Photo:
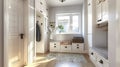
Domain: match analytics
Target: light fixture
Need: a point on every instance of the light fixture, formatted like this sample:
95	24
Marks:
62	1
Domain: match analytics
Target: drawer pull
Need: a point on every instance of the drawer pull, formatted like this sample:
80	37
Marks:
54	46
65	46
101	61
77	44
77	47
41	11
41	3
92	53
99	20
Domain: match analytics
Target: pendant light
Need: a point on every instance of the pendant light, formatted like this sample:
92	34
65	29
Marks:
62	1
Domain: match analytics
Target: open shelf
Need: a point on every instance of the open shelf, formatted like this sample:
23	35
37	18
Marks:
102	22
103	25
103	51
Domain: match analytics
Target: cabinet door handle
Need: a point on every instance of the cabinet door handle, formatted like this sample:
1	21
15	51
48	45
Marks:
100	1
65	46
77	44
101	61
77	47
54	46
99	20
41	3
92	53
41	11
21	35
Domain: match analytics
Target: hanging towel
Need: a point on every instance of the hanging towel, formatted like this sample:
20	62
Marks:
38	32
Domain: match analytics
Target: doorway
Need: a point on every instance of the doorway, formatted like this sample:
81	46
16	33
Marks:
13	33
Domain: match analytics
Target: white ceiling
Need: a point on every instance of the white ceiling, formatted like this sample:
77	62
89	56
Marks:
54	3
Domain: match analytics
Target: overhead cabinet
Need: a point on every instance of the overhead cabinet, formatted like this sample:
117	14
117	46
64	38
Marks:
41	6
102	10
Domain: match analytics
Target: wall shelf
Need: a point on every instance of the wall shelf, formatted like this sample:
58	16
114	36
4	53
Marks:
103	25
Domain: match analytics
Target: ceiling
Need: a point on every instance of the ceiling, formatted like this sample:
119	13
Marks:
55	3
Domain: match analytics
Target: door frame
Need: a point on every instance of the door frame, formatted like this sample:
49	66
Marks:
26	46
5	35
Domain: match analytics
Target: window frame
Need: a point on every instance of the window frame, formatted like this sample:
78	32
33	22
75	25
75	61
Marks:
71	21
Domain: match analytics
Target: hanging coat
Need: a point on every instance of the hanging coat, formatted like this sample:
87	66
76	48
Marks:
38	33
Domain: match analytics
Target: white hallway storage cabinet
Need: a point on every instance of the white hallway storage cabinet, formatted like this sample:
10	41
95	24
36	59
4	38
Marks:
105	53
42	18
97	9
70	48
102	11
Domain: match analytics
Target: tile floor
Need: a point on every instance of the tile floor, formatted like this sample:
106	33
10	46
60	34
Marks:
62	60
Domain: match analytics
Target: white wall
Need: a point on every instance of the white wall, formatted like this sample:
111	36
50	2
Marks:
1	33
65	9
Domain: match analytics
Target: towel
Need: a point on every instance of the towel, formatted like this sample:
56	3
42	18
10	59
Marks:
38	32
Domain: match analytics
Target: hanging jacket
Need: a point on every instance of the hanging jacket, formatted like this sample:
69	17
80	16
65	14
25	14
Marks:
38	32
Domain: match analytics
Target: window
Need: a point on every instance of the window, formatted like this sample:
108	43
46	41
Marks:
68	23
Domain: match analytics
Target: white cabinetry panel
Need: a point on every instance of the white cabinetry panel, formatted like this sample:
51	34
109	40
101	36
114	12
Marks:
54	46
71	48
65	48
77	47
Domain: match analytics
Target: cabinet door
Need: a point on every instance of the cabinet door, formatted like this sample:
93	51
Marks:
39	6
99	10
105	10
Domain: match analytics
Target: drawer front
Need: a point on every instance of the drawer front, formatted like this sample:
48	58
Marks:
54	46
65	48
101	62
93	54
98	60
93	60
54	43
93	57
78	44
77	47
